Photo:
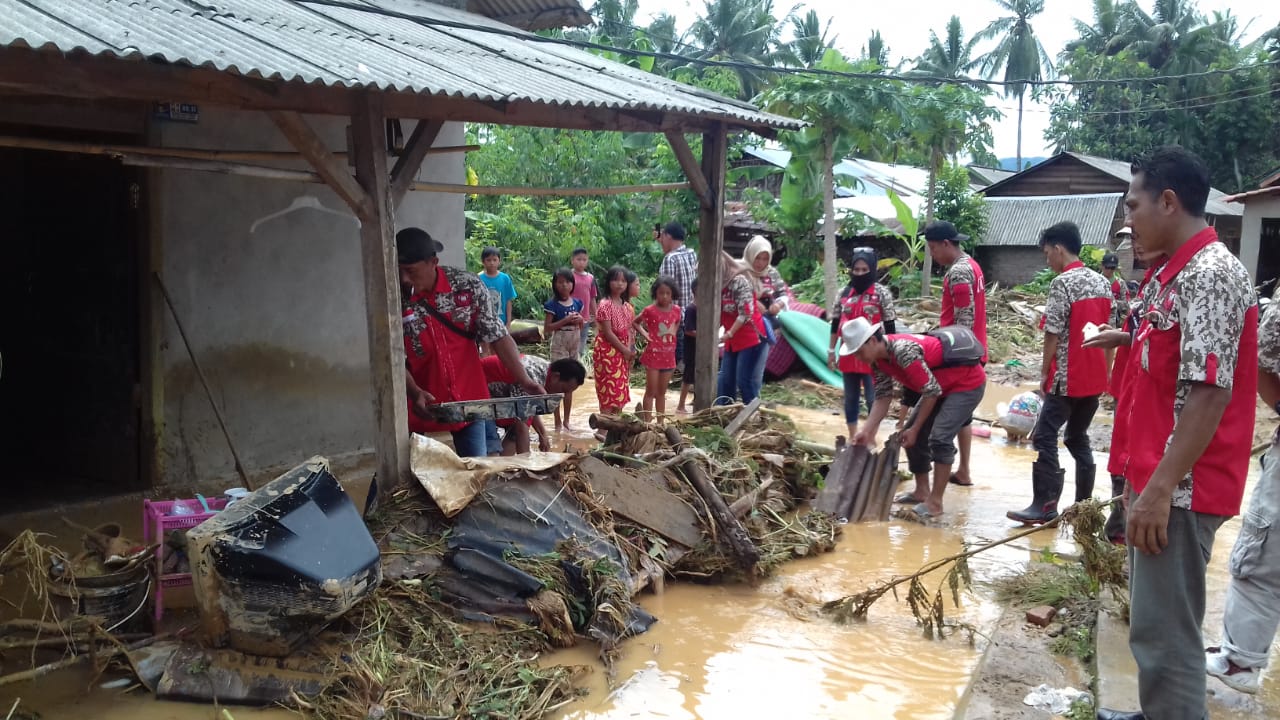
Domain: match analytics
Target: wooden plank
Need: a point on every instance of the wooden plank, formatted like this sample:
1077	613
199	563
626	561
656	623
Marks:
382	297
334	171
710	242
545	192
697	180
410	161
643	502
828	499
95	148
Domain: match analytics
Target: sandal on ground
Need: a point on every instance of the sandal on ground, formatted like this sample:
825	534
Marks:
955	480
905	498
923	511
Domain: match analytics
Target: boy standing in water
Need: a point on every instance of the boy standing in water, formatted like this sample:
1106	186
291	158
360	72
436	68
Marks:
584	289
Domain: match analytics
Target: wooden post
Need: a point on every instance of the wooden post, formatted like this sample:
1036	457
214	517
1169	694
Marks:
710	243
382	295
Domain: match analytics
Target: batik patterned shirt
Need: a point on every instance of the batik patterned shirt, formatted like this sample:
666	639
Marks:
964	298
1076	297
502	385
1269	337
463	299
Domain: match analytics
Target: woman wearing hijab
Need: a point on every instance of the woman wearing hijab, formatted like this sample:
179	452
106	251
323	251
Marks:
862	297
744	332
775	296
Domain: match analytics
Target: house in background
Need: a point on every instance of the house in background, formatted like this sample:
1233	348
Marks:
1084	189
1260	232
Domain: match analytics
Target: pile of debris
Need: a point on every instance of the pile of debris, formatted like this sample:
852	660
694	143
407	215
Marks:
1013	335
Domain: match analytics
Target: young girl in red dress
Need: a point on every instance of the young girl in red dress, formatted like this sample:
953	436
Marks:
659	323
613	353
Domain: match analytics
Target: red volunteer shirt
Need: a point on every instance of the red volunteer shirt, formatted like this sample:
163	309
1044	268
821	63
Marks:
1200	325
1077	297
915	361
964	298
876	305
1118	457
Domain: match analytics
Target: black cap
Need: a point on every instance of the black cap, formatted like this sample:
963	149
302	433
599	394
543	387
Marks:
1110	260
415	245
941	230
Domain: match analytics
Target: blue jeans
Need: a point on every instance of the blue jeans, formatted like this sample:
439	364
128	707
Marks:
738	374
856	386
471	440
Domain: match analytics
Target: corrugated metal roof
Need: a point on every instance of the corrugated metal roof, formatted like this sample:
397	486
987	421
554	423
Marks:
533	14
439	51
1018	221
1244	196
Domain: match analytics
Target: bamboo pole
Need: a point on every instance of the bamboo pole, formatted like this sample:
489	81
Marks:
74	660
87	148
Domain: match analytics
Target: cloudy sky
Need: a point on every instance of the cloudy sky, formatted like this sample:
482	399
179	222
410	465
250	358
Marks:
905	25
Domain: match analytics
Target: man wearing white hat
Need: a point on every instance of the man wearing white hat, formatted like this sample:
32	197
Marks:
948	396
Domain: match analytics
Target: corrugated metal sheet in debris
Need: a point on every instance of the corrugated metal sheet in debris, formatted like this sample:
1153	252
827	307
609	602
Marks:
315	43
1018	221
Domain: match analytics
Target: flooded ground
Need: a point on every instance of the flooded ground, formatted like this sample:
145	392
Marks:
735	651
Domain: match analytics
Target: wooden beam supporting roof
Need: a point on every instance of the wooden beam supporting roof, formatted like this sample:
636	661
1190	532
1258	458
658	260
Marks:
410	161
715	150
382	296
334	171
684	155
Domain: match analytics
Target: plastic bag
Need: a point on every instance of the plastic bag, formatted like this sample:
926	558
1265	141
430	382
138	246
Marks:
1019	416
1056	700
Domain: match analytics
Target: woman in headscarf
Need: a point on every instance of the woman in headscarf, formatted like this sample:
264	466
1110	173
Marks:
744	333
862	297
775	296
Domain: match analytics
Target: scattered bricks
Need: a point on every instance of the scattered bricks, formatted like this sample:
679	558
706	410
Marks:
1041	616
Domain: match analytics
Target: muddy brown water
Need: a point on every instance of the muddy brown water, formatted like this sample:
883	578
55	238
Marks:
736	651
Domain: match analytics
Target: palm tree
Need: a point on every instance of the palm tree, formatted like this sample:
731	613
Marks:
950	59
809	40
740	30
1107	35
616	18
876	51
1018	51
1174	38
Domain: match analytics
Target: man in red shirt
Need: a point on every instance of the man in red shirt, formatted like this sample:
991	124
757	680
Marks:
1191	417
445	311
1072	377
964	303
562	376
948	396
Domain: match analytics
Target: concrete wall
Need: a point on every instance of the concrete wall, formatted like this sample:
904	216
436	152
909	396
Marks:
1256	209
1009	265
277	316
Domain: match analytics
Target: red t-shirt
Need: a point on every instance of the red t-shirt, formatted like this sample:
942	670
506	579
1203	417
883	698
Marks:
915	361
1120	389
662	326
1200	325
964	298
1077	297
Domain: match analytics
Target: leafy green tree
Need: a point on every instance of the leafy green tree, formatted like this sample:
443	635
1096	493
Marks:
1174	38
954	200
1018	52
1107	35
844	115
809	41
949	58
745	31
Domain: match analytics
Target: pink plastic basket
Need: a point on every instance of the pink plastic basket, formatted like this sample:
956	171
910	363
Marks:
157	523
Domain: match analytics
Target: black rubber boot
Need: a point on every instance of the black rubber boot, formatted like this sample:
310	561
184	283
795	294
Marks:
1046	487
1115	521
1085	475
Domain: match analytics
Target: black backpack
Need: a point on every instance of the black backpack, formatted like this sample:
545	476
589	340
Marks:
959	345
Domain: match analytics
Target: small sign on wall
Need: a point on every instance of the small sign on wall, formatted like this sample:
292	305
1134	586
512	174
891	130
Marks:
178	112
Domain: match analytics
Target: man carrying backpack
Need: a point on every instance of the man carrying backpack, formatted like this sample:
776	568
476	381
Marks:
944	368
1071	376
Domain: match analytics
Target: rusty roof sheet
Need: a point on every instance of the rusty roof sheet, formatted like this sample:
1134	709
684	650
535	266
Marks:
1018	221
393	45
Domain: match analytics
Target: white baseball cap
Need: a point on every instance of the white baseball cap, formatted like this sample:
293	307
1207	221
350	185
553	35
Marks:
855	333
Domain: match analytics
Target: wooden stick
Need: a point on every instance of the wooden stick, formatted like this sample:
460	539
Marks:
85	148
814	447
74	660
735	426
244	477
80	642
743	505
740	542
608	423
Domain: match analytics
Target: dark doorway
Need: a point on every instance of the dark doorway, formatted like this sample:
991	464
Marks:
69	409
1269	255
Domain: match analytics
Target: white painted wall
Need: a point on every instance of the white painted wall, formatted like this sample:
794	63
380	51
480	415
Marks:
277	316
1256	209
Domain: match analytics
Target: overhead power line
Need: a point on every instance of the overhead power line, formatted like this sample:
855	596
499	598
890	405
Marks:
775	69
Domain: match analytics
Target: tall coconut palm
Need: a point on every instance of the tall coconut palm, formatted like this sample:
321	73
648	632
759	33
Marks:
809	40
1018	52
616	18
1107	35
1175	38
952	58
742	30
875	50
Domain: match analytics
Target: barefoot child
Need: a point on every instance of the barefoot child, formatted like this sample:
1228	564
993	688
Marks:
660	322
584	289
562	326
690	347
612	353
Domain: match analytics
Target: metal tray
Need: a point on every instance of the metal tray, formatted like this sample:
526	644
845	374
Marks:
522	407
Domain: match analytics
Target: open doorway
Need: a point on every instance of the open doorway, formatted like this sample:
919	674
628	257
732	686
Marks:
1269	255
69	323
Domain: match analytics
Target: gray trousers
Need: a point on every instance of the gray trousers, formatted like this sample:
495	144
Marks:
1167	599
1253	597
936	442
